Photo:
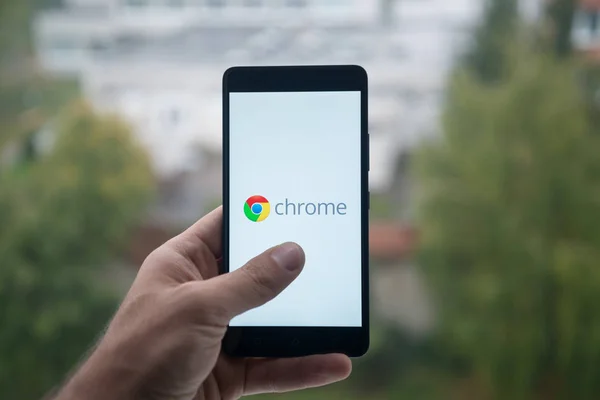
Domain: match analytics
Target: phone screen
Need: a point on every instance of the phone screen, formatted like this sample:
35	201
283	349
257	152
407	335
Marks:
295	176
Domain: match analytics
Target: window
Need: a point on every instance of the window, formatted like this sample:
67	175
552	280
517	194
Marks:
174	117
336	2
587	20
170	117
594	21
136	3
97	45
216	3
175	3
62	44
126	42
586	28
296	3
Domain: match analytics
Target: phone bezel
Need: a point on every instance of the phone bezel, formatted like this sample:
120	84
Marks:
299	341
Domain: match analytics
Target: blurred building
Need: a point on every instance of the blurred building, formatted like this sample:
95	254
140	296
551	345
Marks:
160	62
586	29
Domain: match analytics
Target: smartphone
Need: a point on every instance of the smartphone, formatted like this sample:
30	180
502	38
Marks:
296	169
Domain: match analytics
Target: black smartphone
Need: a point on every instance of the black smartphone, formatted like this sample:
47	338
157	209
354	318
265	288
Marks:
296	169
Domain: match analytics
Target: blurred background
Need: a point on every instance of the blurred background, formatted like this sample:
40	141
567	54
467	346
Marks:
485	129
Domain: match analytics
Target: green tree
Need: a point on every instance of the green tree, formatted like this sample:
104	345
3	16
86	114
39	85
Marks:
510	219
28	98
64	217
63	214
561	14
487	59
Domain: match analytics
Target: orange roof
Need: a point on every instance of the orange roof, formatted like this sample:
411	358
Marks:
594	54
589	3
391	242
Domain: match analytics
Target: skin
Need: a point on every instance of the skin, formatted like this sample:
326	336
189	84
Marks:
164	342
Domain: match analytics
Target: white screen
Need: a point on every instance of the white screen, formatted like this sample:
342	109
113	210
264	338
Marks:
293	148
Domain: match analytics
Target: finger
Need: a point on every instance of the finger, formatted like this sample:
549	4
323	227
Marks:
285	375
201	244
209	231
259	281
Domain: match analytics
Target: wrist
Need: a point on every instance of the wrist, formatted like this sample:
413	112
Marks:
102	376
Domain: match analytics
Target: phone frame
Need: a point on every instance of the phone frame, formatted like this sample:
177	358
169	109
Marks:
299	341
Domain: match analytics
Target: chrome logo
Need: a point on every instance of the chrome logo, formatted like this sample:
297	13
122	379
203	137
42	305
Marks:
257	208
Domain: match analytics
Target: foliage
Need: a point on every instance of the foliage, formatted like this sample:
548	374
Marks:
28	99
63	216
487	59
510	220
14	35
381	207
561	13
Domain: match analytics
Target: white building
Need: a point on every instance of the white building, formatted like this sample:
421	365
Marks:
160	62
586	28
68	38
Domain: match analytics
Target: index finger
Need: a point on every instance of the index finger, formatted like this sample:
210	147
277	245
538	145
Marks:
286	375
209	230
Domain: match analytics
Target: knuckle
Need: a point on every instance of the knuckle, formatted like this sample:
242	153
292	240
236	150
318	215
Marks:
193	255
262	283
154	257
199	251
158	259
215	311
195	302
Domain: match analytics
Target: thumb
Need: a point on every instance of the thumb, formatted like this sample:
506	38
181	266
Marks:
260	280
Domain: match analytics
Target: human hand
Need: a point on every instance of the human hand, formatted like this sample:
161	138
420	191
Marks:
164	342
